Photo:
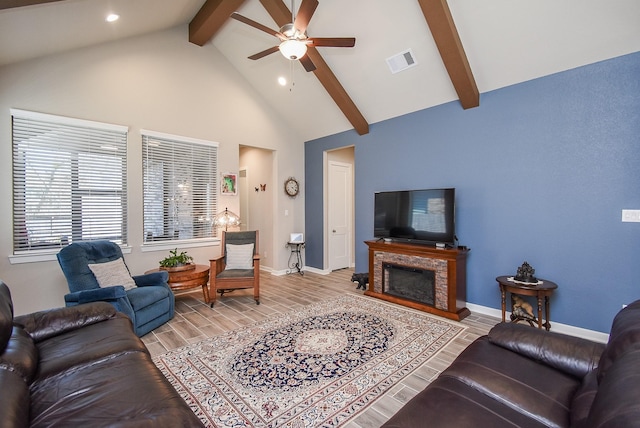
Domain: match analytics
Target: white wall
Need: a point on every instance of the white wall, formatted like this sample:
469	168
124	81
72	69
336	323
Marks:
159	82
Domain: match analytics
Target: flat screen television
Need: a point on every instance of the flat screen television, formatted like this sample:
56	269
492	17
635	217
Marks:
421	216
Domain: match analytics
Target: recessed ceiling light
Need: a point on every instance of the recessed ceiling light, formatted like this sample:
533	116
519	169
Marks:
282	81
112	17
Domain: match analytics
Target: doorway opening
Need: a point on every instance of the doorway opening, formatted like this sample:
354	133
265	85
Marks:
256	197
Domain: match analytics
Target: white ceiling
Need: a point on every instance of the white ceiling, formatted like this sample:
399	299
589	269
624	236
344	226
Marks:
506	42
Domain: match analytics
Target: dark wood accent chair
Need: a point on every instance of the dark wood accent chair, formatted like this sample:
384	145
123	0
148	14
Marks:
225	277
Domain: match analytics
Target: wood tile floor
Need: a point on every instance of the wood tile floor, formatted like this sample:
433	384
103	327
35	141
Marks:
195	321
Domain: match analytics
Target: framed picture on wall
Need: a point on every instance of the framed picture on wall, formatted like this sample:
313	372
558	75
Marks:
229	185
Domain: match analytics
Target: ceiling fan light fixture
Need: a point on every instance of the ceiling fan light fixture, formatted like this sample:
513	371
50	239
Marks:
293	49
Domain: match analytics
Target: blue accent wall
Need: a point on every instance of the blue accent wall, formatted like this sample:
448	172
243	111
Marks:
542	170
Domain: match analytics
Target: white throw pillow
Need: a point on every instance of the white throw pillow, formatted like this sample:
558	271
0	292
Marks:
240	256
112	273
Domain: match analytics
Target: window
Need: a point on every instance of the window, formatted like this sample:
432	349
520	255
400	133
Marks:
180	187
69	181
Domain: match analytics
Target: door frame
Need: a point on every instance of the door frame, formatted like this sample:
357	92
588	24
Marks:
243	199
325	209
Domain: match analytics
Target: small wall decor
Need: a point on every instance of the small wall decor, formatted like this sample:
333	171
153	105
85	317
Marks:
291	187
263	187
229	185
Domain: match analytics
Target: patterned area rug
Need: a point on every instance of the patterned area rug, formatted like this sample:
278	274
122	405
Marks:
317	366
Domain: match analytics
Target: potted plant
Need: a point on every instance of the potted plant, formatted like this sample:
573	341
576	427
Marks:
177	262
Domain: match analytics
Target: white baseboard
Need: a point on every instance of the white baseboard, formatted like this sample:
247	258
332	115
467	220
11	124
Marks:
316	270
267	269
289	271
596	336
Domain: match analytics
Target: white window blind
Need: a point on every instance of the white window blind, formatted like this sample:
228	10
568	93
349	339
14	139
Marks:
69	181
180	187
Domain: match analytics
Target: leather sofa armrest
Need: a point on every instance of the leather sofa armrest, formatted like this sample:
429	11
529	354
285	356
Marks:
573	355
45	324
153	278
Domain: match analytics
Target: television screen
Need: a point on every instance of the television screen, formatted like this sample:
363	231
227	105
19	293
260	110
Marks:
424	216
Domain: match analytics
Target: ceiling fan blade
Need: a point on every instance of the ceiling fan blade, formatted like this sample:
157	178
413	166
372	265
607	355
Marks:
305	12
257	25
264	53
336	42
307	63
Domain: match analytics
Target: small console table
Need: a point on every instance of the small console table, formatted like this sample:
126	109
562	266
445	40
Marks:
295	258
539	291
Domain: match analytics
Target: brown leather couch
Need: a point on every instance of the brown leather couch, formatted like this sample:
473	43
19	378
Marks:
518	376
81	366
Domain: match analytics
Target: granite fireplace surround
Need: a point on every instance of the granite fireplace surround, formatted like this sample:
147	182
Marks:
438	266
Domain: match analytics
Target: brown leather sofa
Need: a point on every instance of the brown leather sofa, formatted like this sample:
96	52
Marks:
81	366
518	376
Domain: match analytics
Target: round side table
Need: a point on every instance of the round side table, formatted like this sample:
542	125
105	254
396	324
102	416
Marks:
540	292
189	278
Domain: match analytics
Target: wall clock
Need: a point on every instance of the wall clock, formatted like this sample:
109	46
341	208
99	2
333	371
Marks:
291	187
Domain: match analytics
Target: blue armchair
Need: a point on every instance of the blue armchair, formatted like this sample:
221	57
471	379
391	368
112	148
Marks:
149	304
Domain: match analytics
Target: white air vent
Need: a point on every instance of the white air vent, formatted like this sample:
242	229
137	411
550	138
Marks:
401	61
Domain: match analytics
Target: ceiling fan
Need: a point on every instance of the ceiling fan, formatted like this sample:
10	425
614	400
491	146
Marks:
293	36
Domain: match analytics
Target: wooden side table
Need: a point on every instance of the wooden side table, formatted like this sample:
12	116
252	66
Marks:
540	292
189	278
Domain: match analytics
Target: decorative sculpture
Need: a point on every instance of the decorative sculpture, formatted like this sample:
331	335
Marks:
362	279
522	310
525	274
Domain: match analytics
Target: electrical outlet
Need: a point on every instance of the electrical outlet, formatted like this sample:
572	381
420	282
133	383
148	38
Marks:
631	216
264	254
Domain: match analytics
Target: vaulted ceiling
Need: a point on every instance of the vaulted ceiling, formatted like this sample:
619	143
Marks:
462	48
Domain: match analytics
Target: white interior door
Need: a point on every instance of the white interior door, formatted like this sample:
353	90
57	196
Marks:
339	214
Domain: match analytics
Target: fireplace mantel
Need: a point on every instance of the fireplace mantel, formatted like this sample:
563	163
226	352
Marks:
449	266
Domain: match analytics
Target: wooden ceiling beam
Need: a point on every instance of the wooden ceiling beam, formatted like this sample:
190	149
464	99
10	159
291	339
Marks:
210	18
10	4
337	92
282	15
445	34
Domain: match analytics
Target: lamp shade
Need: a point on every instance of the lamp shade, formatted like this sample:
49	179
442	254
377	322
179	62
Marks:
225	219
293	49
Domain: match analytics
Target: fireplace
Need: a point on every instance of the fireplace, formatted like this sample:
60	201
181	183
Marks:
419	277
410	283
